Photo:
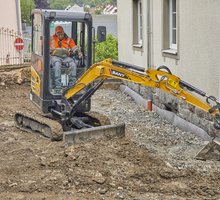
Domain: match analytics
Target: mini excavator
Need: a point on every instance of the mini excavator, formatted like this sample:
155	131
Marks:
67	105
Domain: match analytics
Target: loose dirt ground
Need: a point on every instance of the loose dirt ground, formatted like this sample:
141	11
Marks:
32	167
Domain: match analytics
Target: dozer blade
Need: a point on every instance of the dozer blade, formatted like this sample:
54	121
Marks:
210	152
39	124
84	135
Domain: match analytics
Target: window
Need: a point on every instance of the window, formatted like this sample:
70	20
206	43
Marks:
37	35
172	24
140	35
170	28
137	23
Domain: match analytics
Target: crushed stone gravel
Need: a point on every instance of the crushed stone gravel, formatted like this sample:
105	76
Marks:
148	130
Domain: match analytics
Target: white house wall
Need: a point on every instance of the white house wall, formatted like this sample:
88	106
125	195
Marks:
109	21
198	59
10	29
8	15
125	35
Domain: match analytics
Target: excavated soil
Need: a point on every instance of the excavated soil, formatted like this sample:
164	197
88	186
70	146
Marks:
154	161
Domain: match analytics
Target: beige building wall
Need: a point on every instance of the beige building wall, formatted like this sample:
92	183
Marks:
8	14
127	52
198	60
10	29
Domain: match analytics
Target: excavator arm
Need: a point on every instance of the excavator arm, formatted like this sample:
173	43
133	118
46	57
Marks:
163	80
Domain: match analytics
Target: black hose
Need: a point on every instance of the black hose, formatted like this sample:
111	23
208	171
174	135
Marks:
164	67
192	88
126	65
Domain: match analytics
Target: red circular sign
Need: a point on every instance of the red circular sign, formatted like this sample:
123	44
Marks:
19	44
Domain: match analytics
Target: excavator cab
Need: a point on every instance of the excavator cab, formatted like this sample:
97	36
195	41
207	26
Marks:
45	93
73	67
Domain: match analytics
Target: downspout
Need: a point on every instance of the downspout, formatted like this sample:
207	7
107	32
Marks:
18	16
149	64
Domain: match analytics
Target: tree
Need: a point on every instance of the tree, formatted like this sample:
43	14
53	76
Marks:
60	5
26	7
107	49
43	4
98	11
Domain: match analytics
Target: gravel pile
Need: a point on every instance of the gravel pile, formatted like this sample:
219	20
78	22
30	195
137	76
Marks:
178	148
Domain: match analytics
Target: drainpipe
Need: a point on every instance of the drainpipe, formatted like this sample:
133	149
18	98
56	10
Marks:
149	64
18	16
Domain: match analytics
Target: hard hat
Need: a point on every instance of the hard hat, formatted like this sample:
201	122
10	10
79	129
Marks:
59	29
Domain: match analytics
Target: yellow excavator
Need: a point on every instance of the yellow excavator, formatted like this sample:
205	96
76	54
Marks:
65	108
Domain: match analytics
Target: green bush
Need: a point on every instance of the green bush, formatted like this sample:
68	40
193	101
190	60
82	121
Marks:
107	49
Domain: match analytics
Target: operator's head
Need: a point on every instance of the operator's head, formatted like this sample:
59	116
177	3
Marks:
59	32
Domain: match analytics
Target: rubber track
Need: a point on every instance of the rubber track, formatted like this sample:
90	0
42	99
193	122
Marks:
54	127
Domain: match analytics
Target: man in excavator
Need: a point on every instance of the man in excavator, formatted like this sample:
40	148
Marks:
62	49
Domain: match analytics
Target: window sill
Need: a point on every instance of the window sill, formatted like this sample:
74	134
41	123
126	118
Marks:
137	45
170	51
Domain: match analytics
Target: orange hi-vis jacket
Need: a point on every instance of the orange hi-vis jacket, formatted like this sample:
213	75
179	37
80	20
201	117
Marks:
66	43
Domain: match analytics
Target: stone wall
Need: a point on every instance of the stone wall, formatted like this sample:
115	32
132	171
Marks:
181	108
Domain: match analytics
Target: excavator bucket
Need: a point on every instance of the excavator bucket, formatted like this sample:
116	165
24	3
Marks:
210	152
